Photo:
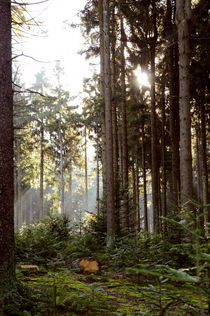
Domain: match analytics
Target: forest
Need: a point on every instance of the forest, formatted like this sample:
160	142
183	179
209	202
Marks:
104	198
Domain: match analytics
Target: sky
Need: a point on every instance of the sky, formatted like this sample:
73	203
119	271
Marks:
60	43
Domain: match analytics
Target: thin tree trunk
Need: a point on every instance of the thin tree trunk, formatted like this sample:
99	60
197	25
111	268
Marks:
70	194
31	207
102	112
114	118
15	198
183	16
86	173
174	105
125	181
163	156
154	140
41	201
97	179
146	224
108	125
134	217
19	191
154	150
137	195
61	169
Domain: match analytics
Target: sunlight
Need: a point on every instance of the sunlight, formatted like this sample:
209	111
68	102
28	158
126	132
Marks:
142	77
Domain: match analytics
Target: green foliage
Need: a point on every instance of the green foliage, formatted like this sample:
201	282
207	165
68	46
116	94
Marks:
53	243
42	242
145	269
83	245
146	247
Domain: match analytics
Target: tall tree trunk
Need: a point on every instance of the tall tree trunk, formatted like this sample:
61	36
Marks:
97	179
154	149
137	194
174	104
163	156
15	199
134	217
86	173
31	207
108	125
204	168
41	199
7	270
125	181
70	194
102	112
183	16
61	169
146	223
19	191
114	117
154	140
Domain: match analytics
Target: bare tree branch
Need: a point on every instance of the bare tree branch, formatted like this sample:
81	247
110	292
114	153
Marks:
27	56
31	91
26	3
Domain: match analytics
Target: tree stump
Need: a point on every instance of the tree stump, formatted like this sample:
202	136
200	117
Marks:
86	265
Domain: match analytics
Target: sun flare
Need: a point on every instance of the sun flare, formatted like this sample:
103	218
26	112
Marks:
142	77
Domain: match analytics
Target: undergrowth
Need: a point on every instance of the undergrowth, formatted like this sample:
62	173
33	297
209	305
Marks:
142	275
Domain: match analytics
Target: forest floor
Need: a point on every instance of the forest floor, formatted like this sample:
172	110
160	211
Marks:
106	293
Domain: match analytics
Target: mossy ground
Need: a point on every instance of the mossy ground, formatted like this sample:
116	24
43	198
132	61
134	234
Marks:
108	293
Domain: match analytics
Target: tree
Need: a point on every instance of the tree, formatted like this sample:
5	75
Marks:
125	183
108	126
183	16
7	266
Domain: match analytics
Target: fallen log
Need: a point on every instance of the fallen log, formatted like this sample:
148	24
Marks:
28	269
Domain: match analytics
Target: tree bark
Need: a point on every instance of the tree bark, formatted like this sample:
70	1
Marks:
41	193
70	194
154	149
146	224
163	156
108	126
174	104
137	194
61	169
125	182
102	112
114	117
19	191
97	179
204	168
154	139
183	16
7	265
134	217
86	173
